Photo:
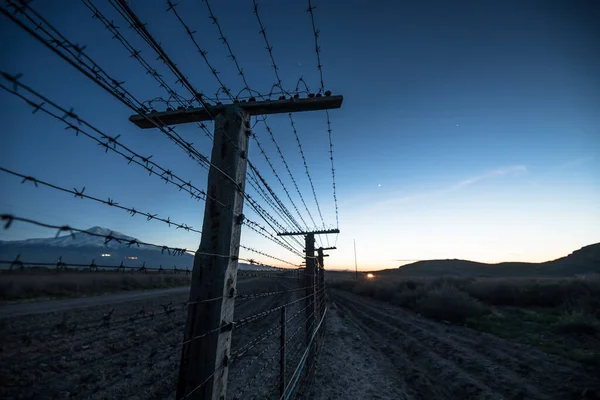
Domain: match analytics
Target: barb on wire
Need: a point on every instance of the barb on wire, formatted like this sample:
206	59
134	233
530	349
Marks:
269	219
269	47
264	233
279	84
135	23
203	53
287	167
234	59
255	180
103	140
8	219
91	266
64	48
316	32
312	186
267	294
296	375
335	201
317	47
136	54
268	361
110	202
266	255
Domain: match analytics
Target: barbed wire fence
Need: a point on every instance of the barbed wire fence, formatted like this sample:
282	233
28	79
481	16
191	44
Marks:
133	345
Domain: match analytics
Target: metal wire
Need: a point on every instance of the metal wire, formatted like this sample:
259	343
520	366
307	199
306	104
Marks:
110	202
105	141
8	220
136	54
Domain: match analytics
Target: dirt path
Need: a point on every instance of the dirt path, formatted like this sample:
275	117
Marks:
47	306
374	350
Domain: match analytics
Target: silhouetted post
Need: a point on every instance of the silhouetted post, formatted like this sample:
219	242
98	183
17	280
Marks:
311	293
205	354
282	339
321	280
355	262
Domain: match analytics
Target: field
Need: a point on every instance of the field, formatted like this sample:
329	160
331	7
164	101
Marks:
32	284
126	348
561	316
416	338
377	350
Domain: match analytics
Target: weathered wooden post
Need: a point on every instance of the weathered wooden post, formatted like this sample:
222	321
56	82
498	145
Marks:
207	339
204	357
311	293
282	339
320	280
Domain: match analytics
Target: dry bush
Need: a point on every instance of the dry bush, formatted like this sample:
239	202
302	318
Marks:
572	293
449	304
577	324
73	284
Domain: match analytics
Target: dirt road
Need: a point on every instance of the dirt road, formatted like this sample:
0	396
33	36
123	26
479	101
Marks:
47	306
374	350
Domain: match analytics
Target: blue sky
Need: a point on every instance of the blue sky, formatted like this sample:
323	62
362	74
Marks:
468	129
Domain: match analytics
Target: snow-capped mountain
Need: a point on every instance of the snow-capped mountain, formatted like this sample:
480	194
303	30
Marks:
83	248
96	238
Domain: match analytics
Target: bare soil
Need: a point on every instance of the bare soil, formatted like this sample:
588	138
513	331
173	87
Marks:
370	350
374	350
80	353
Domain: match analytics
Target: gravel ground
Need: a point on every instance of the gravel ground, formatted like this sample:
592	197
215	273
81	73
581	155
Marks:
82	353
377	351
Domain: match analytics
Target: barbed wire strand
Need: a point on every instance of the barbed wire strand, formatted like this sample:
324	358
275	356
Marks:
110	202
134	21
275	68
94	72
296	375
136	54
107	142
316	32
283	159
9	219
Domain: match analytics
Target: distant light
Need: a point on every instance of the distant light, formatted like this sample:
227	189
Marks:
105	254
131	258
370	276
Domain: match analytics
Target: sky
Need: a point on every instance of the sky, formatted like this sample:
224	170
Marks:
469	129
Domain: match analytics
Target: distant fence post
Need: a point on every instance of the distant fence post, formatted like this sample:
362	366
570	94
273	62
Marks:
321	280
309	283
205	354
282	339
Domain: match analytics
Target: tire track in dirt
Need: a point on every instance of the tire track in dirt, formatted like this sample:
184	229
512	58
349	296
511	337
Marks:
441	361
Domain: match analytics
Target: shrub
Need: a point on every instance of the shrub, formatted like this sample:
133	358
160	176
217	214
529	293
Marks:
408	298
577	324
449	304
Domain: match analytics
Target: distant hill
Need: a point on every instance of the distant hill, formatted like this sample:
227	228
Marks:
583	261
82	248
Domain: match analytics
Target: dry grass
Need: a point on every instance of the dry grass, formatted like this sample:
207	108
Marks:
16	286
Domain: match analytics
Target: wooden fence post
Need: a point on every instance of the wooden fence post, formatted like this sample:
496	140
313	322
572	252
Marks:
309	283
205	354
282	340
